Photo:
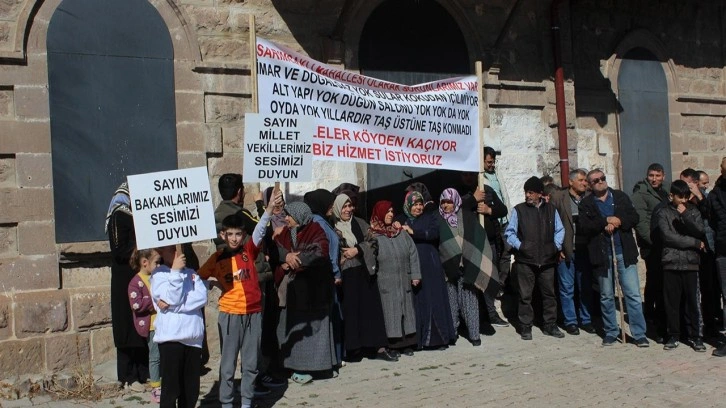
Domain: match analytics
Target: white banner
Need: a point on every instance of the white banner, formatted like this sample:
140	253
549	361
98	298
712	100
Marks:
172	207
363	119
278	148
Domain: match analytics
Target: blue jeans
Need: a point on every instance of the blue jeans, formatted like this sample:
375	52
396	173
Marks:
575	273
154	361
630	284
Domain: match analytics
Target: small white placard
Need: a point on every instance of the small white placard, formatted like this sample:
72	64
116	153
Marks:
278	148
172	207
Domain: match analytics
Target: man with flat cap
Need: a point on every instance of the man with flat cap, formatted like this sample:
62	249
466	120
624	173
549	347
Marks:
536	234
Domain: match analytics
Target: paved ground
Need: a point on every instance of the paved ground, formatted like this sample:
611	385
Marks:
504	371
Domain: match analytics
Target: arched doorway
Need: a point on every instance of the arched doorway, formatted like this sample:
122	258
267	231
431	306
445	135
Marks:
112	109
644	126
410	42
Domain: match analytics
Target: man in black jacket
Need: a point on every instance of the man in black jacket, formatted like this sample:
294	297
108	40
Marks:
607	217
682	232
717	220
535	233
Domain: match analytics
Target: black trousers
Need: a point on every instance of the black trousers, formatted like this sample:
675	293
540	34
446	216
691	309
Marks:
180	372
721	275
132	364
527	277
653	307
678	285
710	293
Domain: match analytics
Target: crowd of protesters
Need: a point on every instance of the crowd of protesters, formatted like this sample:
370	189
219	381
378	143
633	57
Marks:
313	284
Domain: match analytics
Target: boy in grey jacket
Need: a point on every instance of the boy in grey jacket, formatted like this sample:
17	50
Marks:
680	227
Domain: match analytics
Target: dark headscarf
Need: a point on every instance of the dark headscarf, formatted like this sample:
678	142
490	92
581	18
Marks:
421	188
345	188
121	201
378	225
319	201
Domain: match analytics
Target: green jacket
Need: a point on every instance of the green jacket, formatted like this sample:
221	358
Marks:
645	198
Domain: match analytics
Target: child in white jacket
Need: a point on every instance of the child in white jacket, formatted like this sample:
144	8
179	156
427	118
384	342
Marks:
179	296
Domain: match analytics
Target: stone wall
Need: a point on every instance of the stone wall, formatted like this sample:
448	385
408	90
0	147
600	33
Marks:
54	304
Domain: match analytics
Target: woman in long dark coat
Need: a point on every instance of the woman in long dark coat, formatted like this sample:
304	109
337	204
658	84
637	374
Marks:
305	331
362	310
132	352
398	273
433	314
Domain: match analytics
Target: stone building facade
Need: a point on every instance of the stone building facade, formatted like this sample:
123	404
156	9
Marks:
54	304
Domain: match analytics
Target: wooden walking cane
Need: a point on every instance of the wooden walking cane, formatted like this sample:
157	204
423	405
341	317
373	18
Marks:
618	290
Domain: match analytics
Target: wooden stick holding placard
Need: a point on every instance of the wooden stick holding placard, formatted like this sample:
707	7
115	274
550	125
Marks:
480	95
253	65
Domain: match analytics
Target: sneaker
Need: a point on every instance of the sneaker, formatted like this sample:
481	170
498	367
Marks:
697	344
498	321
572	329
272	382
526	333
609	341
156	395
642	342
552	330
135	387
476	343
261	390
671	344
589	328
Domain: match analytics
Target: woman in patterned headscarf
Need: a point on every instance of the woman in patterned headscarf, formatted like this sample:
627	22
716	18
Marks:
398	273
305	331
132	353
466	258
434	326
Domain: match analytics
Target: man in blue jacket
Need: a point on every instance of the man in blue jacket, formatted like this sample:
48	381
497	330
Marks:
608	216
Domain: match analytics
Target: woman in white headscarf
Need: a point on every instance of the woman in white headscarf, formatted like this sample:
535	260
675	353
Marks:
365	329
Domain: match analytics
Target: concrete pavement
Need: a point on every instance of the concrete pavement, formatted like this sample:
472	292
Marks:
505	371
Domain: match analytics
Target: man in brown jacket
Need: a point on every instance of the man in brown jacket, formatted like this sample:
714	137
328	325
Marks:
574	268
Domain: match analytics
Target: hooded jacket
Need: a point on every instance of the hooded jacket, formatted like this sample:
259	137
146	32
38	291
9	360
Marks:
645	198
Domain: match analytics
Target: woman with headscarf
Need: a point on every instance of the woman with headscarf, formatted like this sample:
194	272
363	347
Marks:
270	369
398	272
320	202
132	353
306	288
365	329
435	327
466	257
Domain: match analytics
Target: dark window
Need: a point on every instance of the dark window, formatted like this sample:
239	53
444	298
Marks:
410	42
111	91
644	126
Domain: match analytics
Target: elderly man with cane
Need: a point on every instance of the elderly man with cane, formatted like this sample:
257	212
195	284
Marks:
607	217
